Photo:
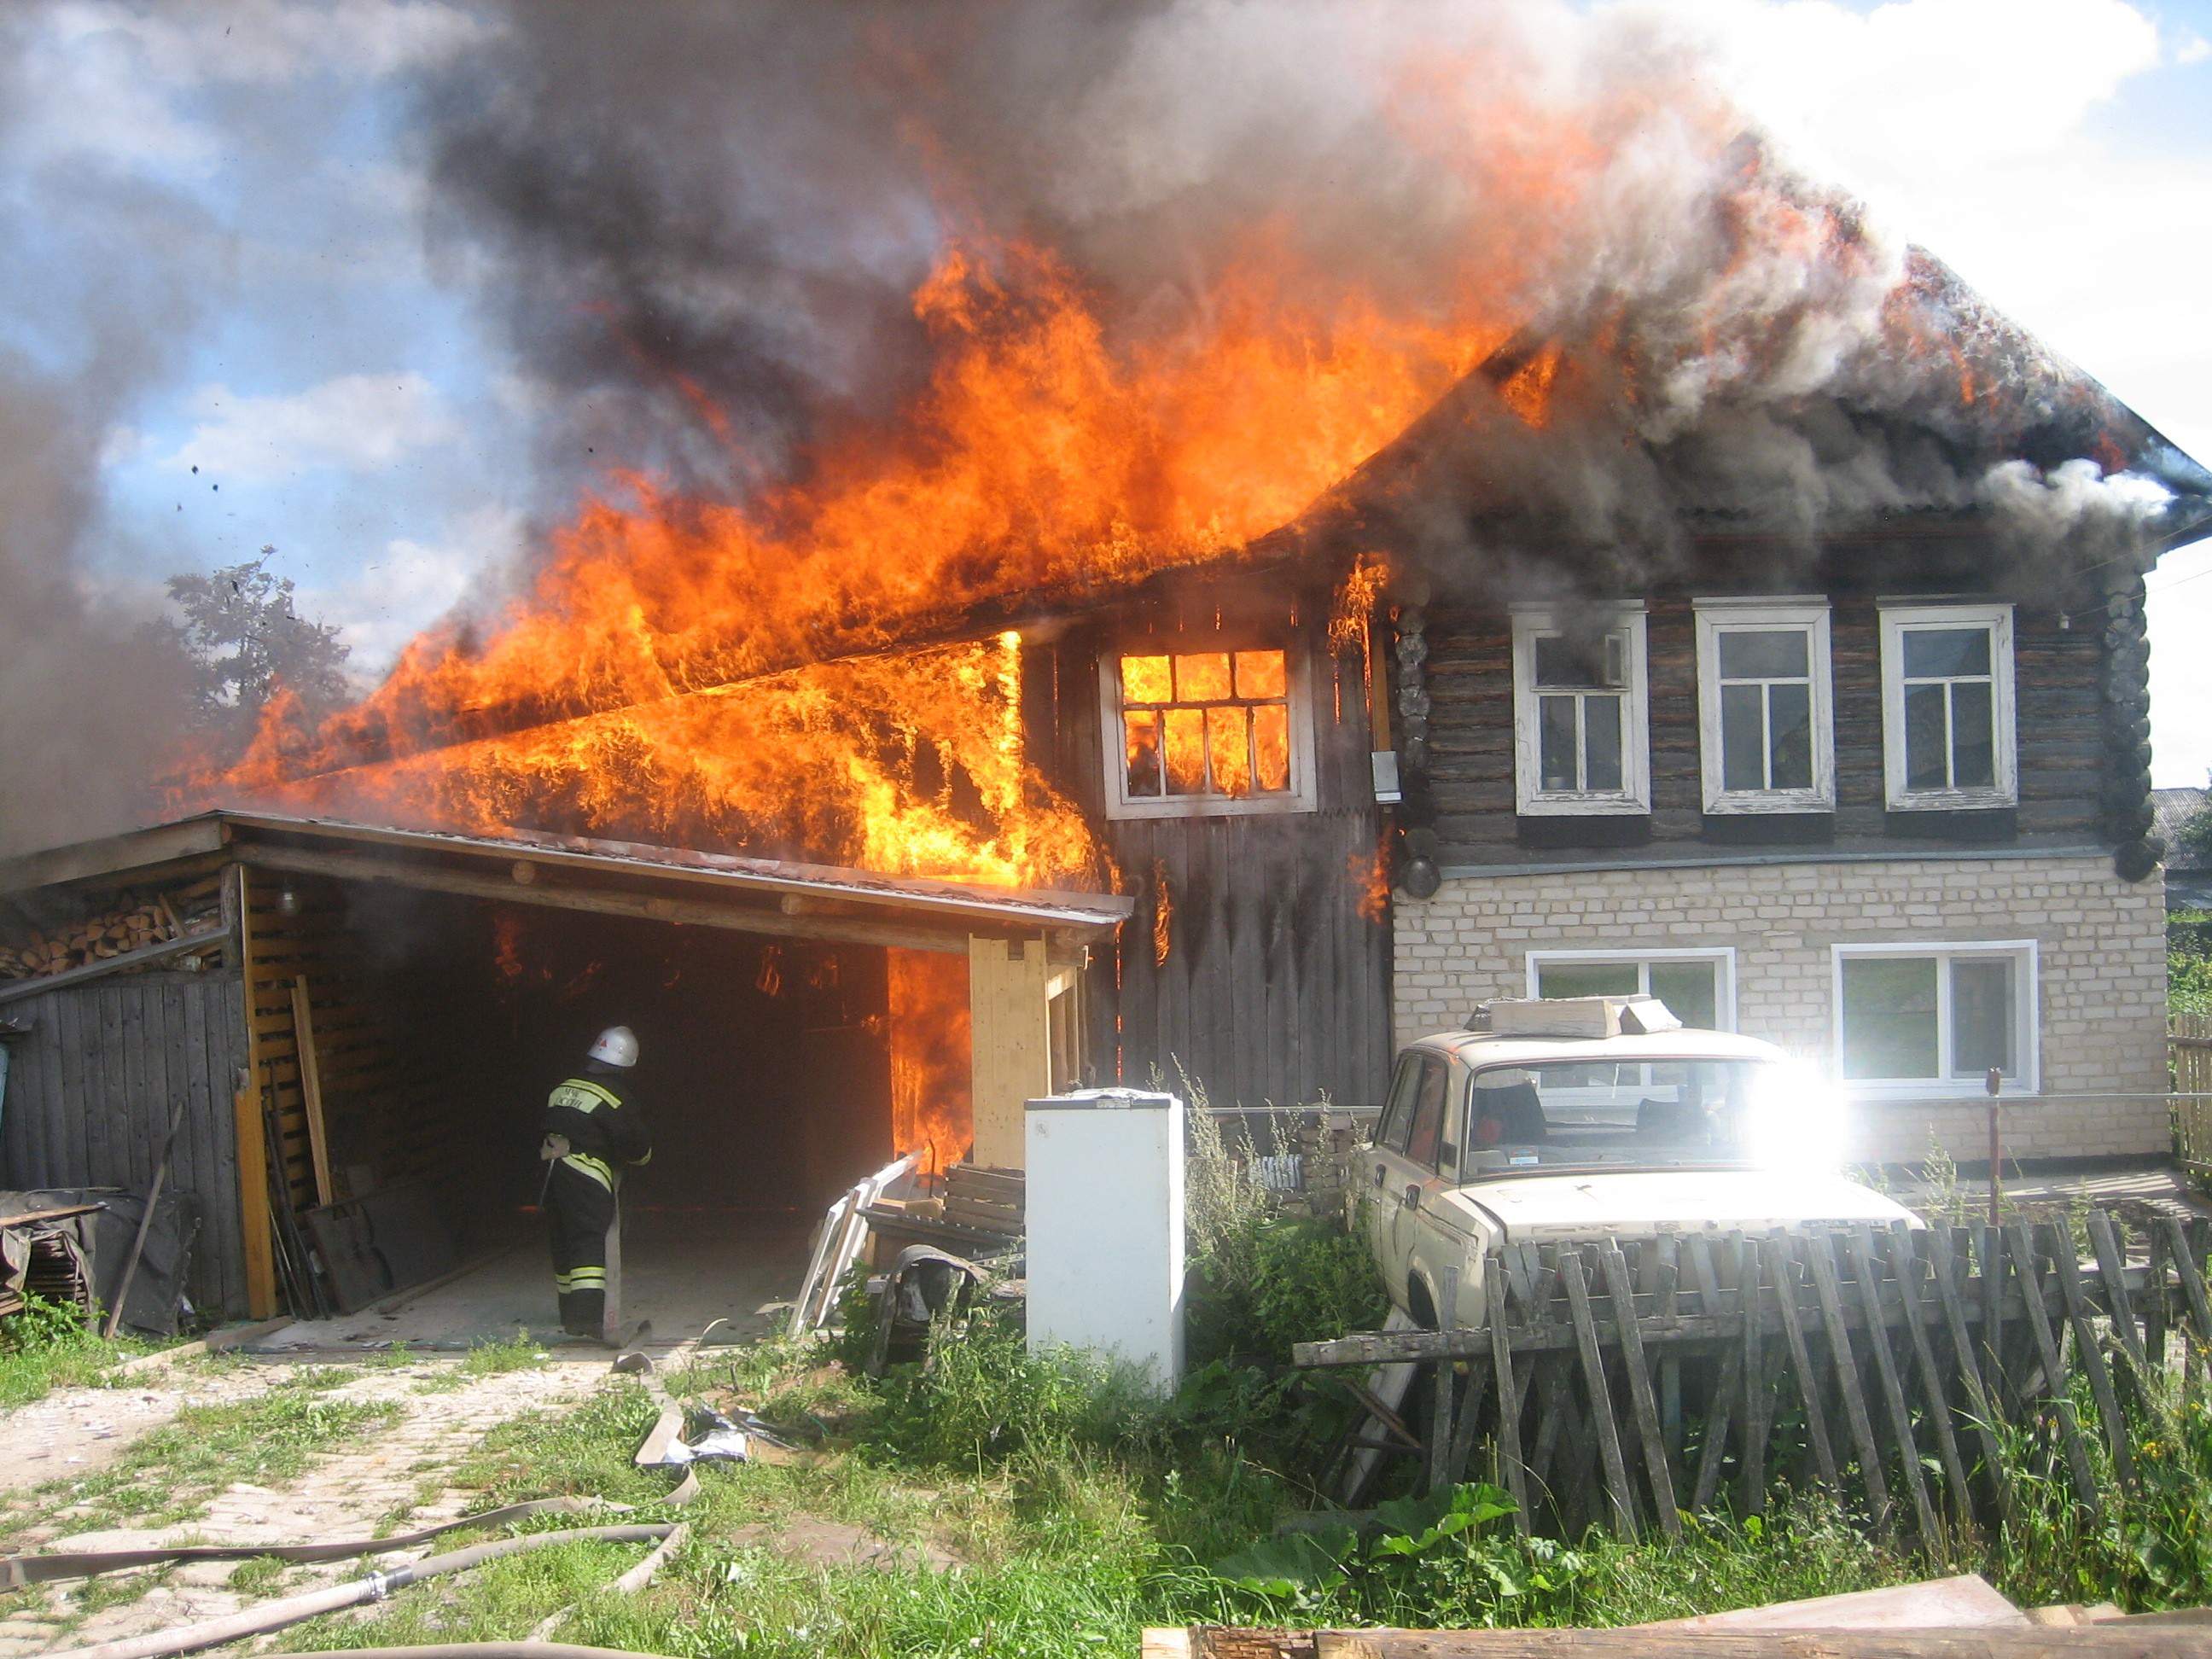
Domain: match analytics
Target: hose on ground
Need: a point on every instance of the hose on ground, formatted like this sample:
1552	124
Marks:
292	1609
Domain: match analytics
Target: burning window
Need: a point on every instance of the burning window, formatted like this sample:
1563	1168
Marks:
1206	731
1765	729
1580	740
1948	706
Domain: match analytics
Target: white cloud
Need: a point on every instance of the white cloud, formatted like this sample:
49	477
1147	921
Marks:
355	424
410	585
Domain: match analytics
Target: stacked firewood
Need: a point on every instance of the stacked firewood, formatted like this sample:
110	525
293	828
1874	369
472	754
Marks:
107	934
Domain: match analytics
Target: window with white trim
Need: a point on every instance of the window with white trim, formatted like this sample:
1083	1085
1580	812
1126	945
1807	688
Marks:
1206	733
1766	732
1581	741
1946	706
1698	986
1920	1019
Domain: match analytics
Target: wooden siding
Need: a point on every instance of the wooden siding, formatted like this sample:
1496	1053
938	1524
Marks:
1470	678
90	1092
1275	983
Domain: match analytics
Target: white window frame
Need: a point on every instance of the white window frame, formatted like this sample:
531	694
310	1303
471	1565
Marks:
1716	618
1723	955
1530	799
1898	619
1298	686
2027	1026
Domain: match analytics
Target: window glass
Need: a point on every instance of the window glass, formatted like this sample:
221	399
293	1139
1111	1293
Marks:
1743	737
1398	1113
1271	745
1186	750
1202	677
1764	654
1889	1016
1691	991
1143	728
1973	735
1588	979
1557	742
1426	1137
1229	749
1982	1016
1789	736
1147	679
1260	674
1601	744
1927	737
1935	652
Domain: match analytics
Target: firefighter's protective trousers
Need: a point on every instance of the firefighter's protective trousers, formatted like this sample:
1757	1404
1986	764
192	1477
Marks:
604	1129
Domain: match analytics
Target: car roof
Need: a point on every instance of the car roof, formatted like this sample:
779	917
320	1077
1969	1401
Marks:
1478	1049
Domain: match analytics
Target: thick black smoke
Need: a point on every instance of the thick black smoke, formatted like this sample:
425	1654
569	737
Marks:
688	216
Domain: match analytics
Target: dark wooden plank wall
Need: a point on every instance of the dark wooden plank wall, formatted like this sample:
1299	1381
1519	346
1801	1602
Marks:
91	1089
1275	987
2057	717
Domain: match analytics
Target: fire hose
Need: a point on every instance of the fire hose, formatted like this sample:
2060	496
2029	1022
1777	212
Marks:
292	1609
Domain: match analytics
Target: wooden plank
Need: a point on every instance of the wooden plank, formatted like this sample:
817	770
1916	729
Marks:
1508	1413
1601	1399
1989	1252
1440	1416
1898	1254
255	1220
1981	1410
1010	1043
1822	1265
2030	1275
2089	1352
1727	1385
2188	1267
1667	1277
1966	1601
1781	1255
1859	1242
311	1091
2112	1270
2146	1636
2156	1305
1641	1402
1757	1381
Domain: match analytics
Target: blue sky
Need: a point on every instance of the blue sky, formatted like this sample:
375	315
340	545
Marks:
238	178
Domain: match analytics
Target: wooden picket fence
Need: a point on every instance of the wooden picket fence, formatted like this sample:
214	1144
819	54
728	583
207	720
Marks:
2189	1068
1642	1379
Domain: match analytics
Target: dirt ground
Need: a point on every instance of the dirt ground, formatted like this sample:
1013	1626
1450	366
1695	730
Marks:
389	1483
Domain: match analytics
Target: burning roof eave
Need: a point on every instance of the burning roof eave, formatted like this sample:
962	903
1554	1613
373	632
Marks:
526	865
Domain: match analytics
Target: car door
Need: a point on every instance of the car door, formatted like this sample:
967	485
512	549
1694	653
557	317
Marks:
1386	1158
1406	1159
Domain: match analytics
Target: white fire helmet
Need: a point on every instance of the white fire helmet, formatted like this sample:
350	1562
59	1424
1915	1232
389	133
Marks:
617	1045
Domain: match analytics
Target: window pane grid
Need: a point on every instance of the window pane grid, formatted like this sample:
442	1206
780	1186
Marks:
1947	665
1940	1017
1207	724
1789	674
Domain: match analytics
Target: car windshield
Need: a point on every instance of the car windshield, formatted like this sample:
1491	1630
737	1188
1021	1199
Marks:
1618	1111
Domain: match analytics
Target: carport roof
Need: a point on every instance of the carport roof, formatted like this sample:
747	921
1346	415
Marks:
622	878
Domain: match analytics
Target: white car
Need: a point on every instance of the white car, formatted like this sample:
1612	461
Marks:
1491	1138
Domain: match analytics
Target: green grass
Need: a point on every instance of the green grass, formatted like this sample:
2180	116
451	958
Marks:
50	1346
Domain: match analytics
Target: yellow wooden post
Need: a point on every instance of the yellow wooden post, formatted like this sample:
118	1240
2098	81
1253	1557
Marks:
254	1220
1008	985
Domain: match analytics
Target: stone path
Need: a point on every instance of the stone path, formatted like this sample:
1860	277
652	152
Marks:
389	1484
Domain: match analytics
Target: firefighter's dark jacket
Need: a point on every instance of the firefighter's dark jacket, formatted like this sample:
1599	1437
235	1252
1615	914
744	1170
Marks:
598	1110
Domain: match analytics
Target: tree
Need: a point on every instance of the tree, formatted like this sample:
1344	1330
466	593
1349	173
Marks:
2195	831
246	641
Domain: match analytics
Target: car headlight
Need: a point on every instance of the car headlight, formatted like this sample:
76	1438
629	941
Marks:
1793	1119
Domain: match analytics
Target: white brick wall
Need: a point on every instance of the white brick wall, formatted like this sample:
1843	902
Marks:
2101	984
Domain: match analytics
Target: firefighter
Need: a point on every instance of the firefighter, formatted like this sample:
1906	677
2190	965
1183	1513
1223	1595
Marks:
593	1128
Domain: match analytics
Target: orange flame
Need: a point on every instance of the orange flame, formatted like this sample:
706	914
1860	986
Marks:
933	1105
1163	914
1369	873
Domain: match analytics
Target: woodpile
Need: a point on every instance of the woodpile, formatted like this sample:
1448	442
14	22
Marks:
132	925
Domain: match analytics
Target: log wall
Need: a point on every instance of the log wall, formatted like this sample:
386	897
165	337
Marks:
2060	722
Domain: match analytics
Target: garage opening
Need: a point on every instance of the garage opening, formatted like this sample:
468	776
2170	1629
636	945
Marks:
774	1071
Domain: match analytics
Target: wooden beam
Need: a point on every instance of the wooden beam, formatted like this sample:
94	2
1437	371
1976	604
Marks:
133	850
2141	1637
311	1089
952	939
144	956
1010	1042
255	1220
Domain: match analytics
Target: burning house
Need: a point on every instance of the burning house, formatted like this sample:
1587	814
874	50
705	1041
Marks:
1197	618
